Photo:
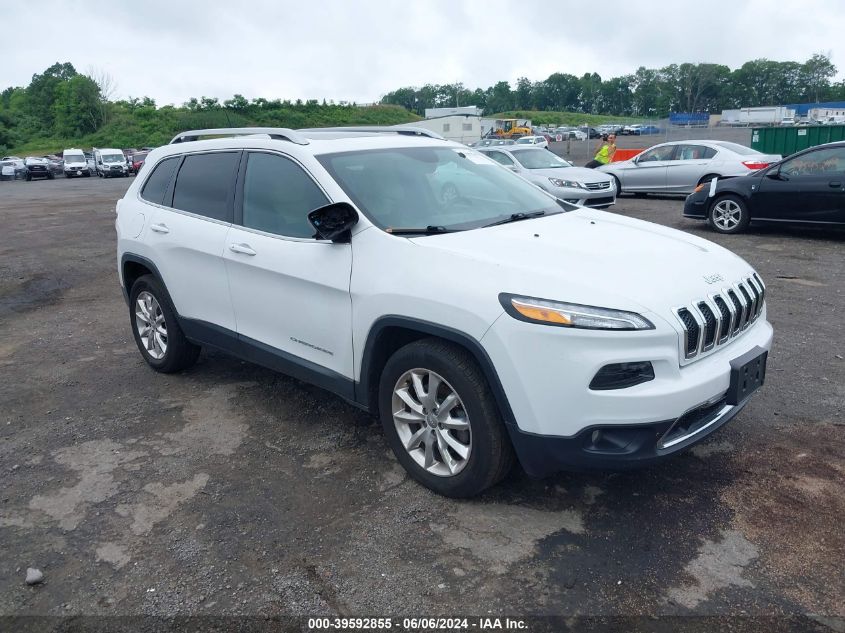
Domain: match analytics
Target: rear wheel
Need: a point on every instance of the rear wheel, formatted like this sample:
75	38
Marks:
618	185
729	214
156	329
441	419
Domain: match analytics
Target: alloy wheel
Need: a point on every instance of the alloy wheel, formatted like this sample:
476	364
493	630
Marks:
151	326
727	214
432	422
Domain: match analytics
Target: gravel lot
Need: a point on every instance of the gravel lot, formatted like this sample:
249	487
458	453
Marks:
230	489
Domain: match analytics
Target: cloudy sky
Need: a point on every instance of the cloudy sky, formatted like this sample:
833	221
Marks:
357	50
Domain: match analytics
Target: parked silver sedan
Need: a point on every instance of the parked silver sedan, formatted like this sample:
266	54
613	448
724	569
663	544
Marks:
550	172
680	166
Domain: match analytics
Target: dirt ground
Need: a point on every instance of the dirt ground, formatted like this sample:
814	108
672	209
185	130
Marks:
232	490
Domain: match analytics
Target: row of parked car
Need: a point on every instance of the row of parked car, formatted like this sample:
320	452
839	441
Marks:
584	132
727	184
105	163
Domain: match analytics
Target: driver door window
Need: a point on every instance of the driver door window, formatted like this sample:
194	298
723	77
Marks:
278	195
822	162
656	154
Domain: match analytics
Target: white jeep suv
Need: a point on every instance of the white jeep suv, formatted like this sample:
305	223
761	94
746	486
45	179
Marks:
492	323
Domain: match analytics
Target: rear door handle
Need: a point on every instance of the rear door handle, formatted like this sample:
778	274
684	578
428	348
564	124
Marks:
243	249
835	183
159	228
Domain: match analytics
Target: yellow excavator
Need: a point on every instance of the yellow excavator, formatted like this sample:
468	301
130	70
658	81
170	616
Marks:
510	128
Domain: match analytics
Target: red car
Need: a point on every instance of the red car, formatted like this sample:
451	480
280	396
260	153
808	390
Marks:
136	162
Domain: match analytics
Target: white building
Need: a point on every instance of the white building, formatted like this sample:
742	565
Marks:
823	114
436	113
765	115
463	128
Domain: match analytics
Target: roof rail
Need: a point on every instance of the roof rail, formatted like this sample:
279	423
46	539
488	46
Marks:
277	133
406	130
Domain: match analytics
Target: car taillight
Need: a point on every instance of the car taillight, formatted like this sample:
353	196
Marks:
755	164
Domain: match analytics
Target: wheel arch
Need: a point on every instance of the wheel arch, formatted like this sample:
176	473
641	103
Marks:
390	333
132	267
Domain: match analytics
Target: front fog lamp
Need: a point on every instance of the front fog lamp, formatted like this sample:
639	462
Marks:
571	314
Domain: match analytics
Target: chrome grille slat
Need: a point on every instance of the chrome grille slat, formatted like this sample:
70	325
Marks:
710	322
597	186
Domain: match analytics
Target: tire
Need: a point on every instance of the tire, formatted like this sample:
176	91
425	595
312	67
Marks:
478	422
177	352
618	185
29	177
87	174
50	176
728	215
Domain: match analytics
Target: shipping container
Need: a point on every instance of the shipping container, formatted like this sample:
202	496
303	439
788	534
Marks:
788	140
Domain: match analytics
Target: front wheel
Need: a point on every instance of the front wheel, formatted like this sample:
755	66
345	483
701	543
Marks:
729	214
156	330
441	419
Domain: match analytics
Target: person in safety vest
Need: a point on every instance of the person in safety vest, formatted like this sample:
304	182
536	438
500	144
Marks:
605	152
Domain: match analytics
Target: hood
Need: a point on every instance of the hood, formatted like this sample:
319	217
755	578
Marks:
596	258
579	174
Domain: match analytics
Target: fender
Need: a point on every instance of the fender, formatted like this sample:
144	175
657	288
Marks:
363	387
146	263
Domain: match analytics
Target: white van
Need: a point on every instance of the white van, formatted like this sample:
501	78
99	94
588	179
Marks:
110	162
75	163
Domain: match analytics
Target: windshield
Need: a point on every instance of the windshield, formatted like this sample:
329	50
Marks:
137	158
74	158
538	159
418	187
113	158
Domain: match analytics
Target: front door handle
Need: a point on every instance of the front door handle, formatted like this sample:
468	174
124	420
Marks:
243	249
836	184
159	228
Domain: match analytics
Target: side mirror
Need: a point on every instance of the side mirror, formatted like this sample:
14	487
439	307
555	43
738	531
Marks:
334	221
775	174
512	168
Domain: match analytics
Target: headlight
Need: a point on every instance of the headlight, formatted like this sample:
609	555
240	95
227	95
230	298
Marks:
571	314
557	182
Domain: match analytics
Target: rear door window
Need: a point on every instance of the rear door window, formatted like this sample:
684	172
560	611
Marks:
694	152
159	180
205	185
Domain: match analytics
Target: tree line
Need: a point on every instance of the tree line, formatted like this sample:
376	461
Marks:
62	106
649	92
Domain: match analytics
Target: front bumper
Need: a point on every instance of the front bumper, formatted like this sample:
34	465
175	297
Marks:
546	373
620	447
696	205
597	199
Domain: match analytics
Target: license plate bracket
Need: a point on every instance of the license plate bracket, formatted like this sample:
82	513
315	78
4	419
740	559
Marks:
748	373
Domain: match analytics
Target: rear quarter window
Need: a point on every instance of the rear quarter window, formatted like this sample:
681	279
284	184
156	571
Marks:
159	180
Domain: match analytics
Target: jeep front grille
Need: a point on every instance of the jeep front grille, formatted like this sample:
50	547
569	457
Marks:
710	322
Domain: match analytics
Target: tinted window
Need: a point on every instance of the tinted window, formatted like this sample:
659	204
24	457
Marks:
204	184
278	195
828	161
157	183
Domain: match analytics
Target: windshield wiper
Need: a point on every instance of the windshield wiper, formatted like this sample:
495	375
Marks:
429	230
516	217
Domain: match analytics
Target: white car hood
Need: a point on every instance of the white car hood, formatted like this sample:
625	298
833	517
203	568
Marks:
596	258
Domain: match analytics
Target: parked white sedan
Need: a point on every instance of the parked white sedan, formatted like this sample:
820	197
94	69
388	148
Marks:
680	166
536	141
